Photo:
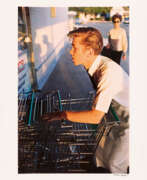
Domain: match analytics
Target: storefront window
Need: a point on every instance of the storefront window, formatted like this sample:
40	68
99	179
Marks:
24	84
21	30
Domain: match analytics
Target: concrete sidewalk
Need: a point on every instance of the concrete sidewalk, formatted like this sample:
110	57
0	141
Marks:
68	78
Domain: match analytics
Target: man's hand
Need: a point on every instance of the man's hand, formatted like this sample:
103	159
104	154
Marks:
53	116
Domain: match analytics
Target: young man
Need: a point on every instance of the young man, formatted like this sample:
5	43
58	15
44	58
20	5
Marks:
112	87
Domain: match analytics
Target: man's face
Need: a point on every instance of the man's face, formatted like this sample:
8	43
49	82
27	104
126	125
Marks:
78	52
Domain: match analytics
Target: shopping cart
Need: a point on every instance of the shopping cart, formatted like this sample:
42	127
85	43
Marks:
58	146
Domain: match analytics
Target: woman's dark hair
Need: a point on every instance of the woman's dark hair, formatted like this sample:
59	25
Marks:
116	16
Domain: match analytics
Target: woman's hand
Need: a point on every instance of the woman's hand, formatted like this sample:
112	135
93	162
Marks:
124	57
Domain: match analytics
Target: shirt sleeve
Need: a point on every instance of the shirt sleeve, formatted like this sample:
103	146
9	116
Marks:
108	86
124	42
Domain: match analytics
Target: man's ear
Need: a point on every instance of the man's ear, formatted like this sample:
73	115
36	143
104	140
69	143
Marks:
90	52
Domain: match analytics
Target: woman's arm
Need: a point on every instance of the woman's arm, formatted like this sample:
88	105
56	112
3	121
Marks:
124	44
108	45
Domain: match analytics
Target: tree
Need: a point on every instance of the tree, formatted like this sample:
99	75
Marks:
91	10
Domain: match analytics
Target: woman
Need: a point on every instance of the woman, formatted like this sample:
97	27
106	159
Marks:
117	39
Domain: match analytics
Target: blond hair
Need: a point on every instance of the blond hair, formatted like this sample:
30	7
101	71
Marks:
90	37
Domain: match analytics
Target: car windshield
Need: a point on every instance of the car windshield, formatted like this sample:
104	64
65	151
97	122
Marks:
78	23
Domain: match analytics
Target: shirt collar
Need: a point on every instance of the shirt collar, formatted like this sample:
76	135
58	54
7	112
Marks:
94	66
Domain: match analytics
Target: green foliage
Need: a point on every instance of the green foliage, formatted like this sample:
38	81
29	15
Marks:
90	10
126	8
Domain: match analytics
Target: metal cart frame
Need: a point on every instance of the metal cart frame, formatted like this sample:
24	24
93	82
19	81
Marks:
59	146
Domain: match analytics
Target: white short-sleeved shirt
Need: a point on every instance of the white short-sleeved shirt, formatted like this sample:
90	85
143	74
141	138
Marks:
118	39
112	83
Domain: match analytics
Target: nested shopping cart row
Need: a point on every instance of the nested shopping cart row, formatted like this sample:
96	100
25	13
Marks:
58	146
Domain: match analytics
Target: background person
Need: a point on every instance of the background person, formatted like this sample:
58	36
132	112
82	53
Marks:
112	84
117	41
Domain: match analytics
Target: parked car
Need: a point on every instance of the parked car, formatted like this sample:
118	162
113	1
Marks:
126	20
78	24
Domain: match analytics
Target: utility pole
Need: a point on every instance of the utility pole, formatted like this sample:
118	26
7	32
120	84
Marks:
30	54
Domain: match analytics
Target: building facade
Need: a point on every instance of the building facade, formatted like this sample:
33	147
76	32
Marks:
42	39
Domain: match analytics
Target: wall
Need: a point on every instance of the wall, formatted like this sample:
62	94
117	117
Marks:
49	39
